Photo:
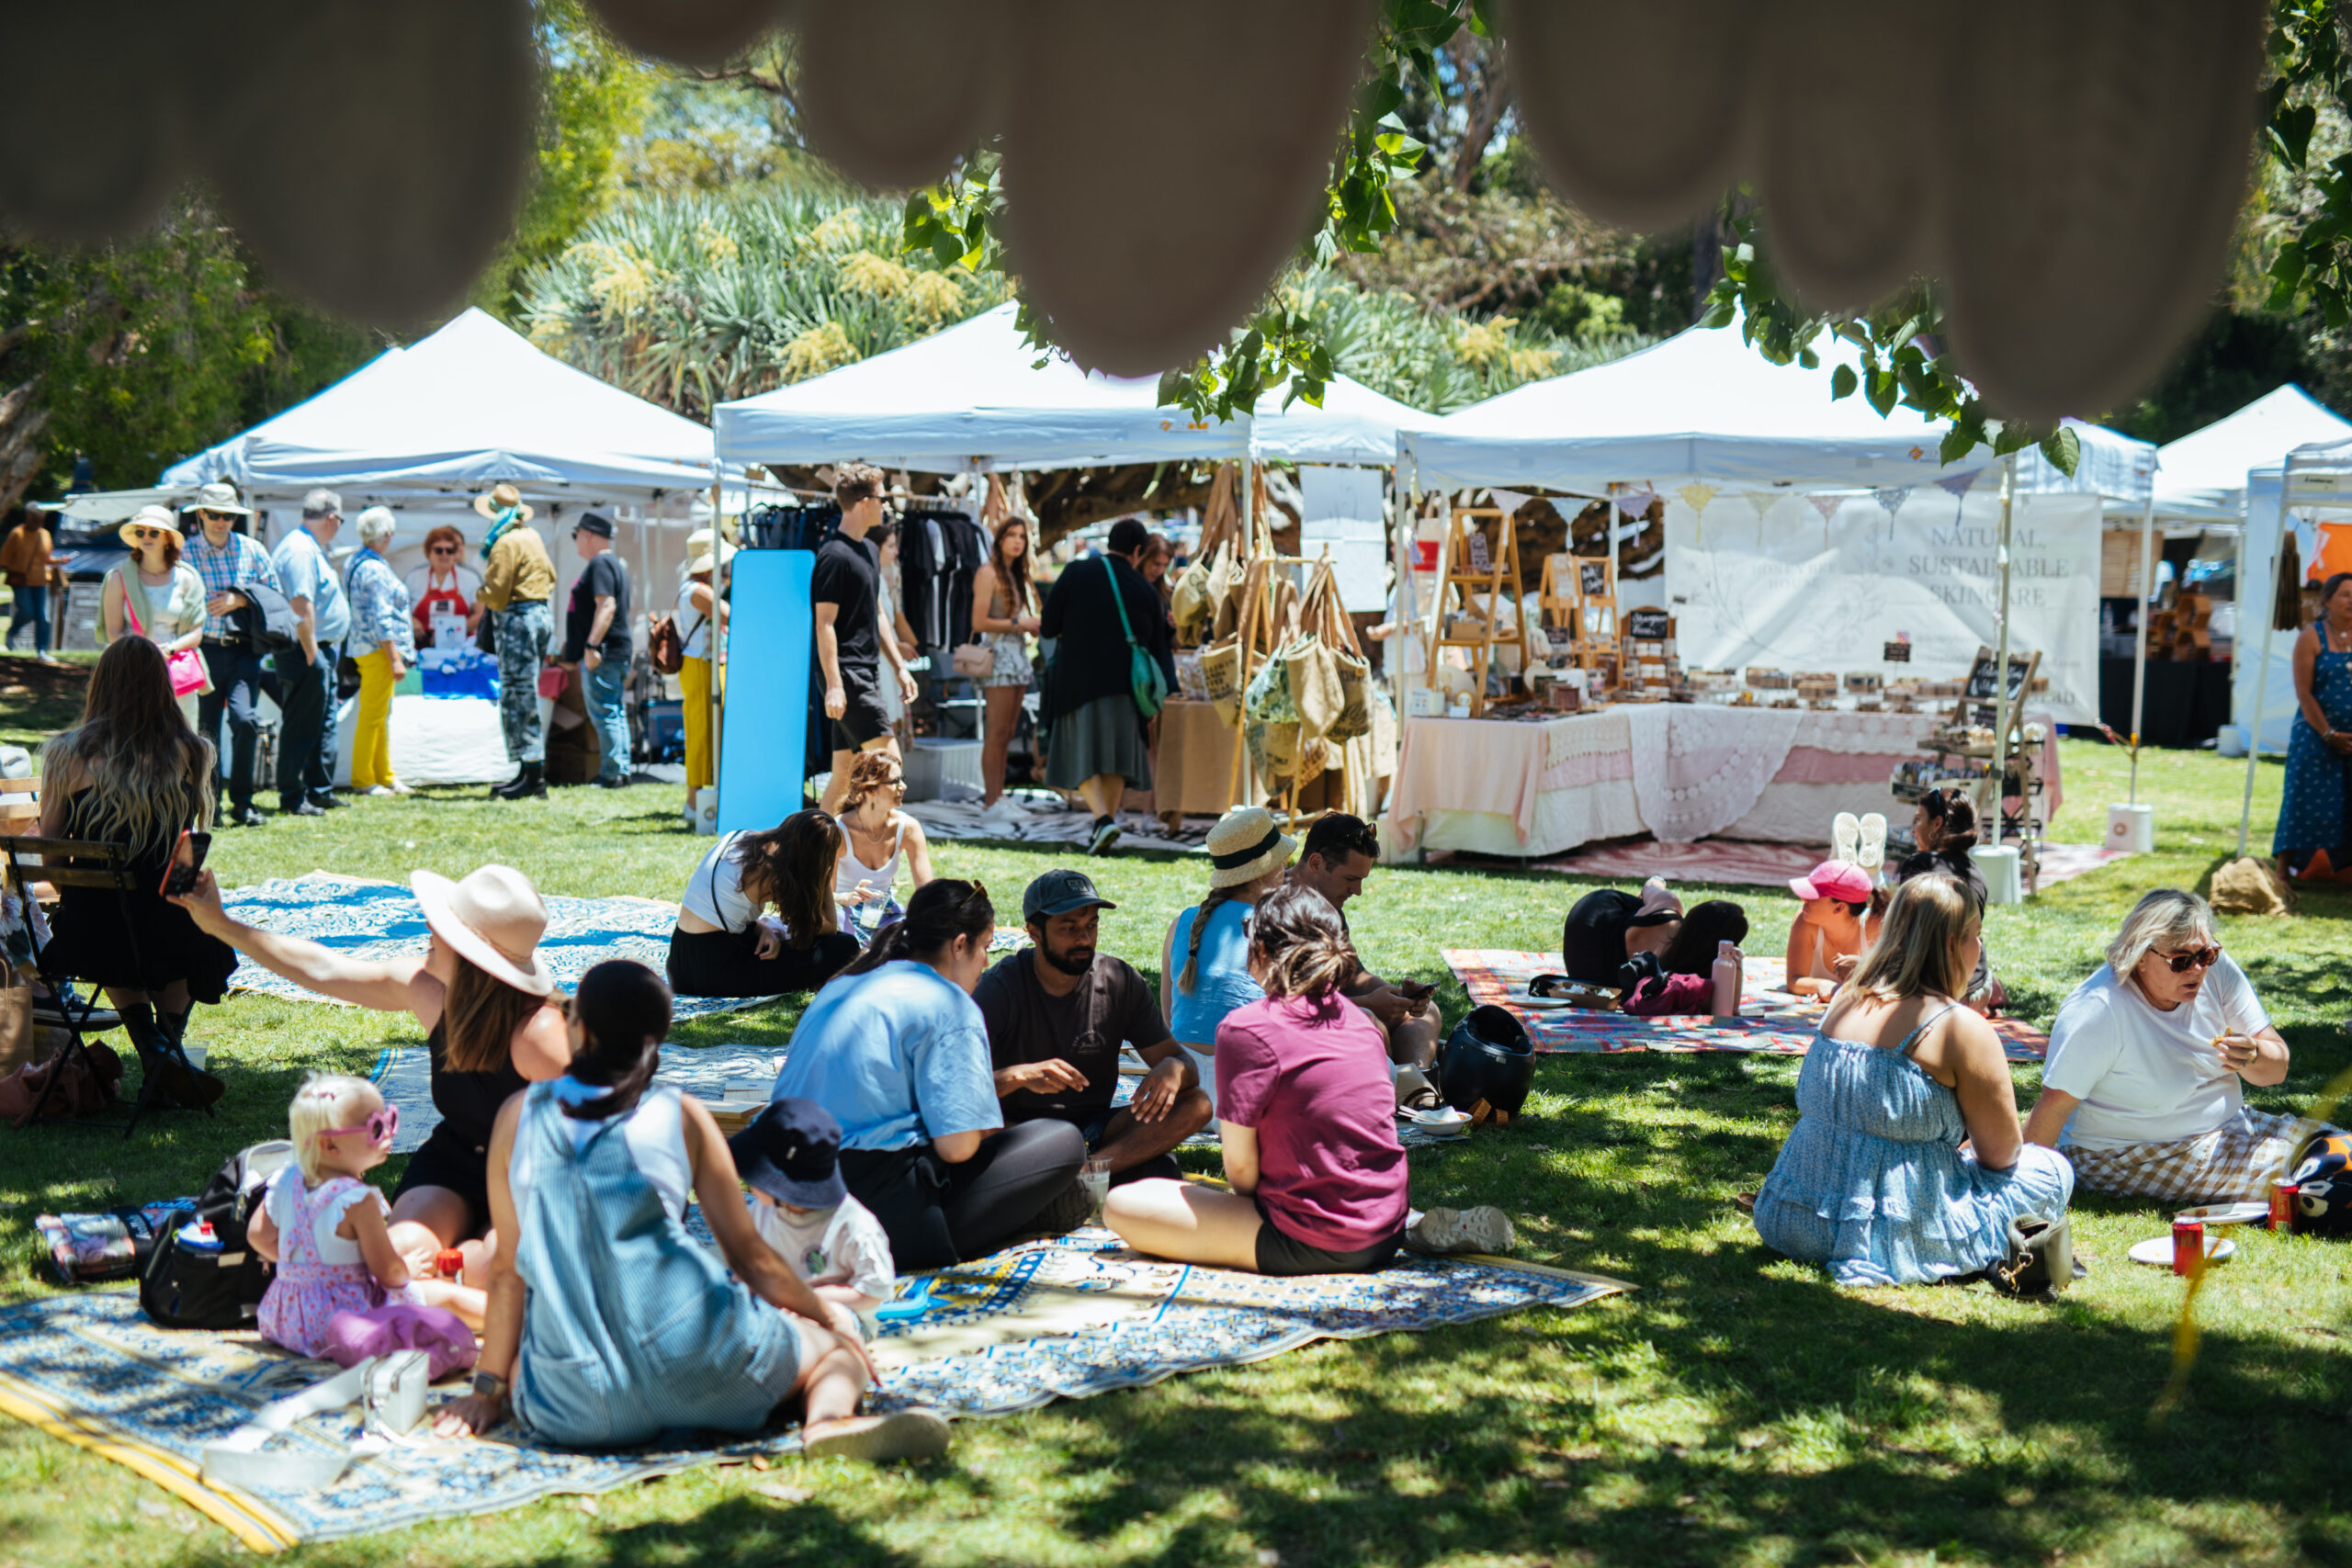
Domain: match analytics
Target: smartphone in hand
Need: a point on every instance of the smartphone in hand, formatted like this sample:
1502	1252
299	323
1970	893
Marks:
188	858
1413	991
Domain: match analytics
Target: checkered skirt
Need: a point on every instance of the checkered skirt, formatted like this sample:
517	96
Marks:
2236	1162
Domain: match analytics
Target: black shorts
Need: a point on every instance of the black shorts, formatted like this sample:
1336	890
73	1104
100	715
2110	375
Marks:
446	1160
1279	1254
863	722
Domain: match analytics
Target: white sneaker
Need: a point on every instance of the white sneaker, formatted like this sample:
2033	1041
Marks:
383	790
1845	837
1483	1229
1873	852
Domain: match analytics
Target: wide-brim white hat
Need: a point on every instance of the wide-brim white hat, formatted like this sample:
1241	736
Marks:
707	561
493	919
151	517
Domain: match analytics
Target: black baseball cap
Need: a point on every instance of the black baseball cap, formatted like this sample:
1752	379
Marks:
1061	892
791	1152
594	523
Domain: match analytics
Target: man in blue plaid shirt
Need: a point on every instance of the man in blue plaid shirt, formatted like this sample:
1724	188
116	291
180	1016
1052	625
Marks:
228	561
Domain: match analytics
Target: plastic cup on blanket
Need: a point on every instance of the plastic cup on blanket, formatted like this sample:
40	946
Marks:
1095	1179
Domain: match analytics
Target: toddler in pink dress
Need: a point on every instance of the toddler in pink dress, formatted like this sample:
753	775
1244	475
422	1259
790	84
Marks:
328	1230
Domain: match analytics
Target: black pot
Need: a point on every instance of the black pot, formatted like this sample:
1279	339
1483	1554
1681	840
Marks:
1488	1056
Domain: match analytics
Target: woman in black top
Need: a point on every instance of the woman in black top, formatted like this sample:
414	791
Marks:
133	774
1095	741
1944	827
495	1023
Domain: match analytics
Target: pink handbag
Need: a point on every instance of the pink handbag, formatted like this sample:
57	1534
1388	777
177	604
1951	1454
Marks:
185	666
551	681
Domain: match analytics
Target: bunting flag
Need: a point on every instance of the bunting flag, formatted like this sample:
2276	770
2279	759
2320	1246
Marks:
1635	498
1892	499
1762	501
1696	496
1956	486
1511	501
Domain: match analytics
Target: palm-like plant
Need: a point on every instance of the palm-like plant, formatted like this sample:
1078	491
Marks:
691	300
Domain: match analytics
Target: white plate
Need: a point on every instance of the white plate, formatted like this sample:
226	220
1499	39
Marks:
2226	1214
2156	1251
1542	1004
1442	1119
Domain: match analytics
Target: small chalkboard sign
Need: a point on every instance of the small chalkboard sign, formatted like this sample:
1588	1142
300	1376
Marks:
1592	577
1562	638
1648	625
1980	675
1896	654
1480	560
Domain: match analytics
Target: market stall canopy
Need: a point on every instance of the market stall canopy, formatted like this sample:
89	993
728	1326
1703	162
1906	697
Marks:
1704	405
2204	475
470	405
975	394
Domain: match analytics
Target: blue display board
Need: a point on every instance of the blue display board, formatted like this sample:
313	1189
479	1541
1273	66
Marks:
771	638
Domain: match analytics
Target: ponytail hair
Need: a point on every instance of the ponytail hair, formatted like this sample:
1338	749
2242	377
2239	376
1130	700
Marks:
941	911
1954	817
623	1014
1297	936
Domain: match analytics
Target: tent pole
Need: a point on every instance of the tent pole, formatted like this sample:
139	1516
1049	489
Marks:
2261	672
716	639
2140	636
2001	655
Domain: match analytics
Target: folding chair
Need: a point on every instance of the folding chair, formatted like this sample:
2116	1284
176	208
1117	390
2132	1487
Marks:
101	866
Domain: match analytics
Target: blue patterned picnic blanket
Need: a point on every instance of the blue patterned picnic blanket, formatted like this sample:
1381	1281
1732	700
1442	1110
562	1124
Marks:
366	918
1058	1320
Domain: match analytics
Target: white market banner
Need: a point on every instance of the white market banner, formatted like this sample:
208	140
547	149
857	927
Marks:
1823	582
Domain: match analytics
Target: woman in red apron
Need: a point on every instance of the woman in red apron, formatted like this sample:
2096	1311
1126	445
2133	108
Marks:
444	587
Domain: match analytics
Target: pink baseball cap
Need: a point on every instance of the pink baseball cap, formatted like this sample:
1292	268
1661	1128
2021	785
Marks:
1833	879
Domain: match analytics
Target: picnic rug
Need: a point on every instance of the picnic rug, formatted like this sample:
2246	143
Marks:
1772	1019
1739	862
364	919
1049	1319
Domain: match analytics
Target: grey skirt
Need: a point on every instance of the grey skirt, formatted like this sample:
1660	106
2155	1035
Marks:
1101	737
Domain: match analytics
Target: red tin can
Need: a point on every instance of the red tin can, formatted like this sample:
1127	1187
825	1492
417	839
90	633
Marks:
448	1263
2283	1198
2187	1246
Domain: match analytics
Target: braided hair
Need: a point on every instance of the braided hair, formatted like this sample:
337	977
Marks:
1201	913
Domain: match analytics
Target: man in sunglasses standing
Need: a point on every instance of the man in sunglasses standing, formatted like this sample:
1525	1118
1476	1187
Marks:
307	690
229	562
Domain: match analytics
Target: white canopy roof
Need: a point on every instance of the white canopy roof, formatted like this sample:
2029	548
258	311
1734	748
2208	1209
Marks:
461	409
974	394
2204	471
1704	405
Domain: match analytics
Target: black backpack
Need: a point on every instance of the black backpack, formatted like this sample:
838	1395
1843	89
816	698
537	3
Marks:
187	1288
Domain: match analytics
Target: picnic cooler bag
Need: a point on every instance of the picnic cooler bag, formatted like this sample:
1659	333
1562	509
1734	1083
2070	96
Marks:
189	1286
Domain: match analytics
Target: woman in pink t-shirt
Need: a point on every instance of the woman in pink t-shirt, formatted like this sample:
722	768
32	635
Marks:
1307	1116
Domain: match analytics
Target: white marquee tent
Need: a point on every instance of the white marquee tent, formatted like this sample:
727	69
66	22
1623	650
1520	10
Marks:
2203	478
974	396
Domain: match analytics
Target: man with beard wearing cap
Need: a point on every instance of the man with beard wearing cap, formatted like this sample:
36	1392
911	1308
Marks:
1056	1014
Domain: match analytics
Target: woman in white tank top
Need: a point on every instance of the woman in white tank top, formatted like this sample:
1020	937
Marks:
876	836
725	946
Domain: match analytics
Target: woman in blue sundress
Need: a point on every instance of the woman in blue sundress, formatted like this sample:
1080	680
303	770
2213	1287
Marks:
2319	746
1874	1183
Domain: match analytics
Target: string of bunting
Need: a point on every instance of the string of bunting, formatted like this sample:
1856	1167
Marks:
1695	495
1892	499
1827	506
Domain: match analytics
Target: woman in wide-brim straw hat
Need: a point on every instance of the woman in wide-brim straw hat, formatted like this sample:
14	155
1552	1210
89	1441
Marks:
702	607
492	1017
154	594
1205	963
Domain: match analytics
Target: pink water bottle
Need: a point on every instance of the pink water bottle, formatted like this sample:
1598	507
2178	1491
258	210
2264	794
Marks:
1727	979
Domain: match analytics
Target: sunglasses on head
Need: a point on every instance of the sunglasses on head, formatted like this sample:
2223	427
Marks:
379	1127
2195	958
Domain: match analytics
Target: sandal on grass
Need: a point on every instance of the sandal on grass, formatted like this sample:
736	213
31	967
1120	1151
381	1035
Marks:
902	1434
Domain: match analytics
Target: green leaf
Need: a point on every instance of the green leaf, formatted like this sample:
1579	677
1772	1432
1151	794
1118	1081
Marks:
2290	132
1958	443
2063	448
1842	382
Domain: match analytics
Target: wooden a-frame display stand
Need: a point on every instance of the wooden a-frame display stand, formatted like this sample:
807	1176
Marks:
1482	589
1579	592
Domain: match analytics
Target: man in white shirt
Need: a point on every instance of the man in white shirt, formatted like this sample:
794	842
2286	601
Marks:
2143	1088
306	691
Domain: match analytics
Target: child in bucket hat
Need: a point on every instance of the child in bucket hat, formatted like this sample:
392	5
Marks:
789	1157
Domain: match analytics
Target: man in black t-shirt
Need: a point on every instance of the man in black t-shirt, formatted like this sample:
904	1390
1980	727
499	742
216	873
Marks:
850	648
596	644
1057	1014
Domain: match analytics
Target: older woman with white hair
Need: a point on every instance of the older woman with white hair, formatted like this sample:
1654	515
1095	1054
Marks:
380	625
2143	1089
156	596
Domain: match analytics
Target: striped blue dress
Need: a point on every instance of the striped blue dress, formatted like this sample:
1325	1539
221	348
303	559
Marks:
1873	1183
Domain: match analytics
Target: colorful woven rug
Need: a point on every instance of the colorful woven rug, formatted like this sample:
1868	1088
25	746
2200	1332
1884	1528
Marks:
1737	862
1772	1019
1064	1320
364	919
403	1073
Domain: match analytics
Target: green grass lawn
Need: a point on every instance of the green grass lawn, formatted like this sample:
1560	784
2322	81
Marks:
1738	1408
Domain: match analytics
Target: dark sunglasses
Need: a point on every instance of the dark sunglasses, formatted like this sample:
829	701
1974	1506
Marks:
445	549
146	533
2195	958
379	1127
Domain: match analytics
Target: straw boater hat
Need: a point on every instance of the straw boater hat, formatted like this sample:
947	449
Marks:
1245	845
503	498
493	919
152	518
216	497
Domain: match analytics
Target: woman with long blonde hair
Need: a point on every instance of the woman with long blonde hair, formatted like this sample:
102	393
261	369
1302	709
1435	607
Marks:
1907	1161
1004	617
133	774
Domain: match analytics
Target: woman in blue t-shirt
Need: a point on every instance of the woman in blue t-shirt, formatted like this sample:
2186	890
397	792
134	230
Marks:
1205	963
896	1049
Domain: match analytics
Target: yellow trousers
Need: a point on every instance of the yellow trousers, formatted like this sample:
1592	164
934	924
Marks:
694	688
371	731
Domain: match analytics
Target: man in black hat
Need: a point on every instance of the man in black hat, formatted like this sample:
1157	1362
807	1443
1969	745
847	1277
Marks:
1057	1014
596	644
